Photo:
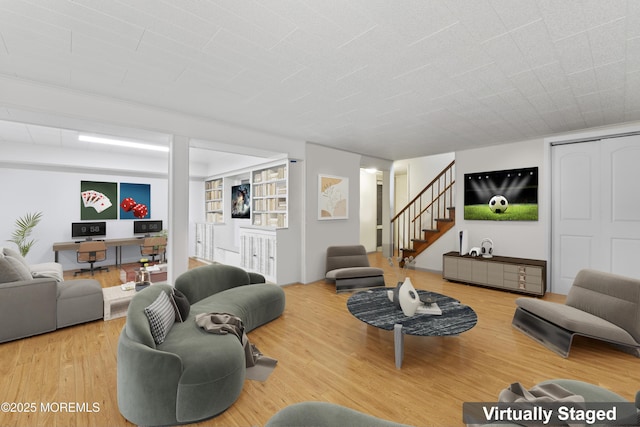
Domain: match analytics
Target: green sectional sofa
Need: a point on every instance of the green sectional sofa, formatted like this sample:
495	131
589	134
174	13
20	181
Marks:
192	375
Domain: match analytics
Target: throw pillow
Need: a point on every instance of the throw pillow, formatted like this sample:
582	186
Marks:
161	317
17	255
182	305
172	300
12	270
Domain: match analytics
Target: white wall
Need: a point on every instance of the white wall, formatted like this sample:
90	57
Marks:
56	195
368	206
320	234
525	239
422	170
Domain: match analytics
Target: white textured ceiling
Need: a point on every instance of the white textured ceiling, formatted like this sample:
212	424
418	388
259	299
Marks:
388	78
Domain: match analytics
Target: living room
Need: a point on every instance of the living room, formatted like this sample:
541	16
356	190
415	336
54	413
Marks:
50	177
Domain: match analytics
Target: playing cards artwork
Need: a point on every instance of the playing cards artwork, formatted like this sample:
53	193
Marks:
135	201
97	200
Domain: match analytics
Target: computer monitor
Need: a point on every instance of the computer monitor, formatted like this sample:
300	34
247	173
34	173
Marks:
88	230
147	227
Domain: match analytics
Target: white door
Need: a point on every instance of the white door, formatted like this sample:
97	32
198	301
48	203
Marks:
595	209
621	205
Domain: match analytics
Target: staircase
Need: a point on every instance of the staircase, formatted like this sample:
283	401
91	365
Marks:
425	218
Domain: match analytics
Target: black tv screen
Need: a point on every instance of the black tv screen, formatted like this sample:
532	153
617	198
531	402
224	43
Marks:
507	195
241	201
147	227
88	229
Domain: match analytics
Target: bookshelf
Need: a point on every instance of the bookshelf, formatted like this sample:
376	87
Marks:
270	196
213	200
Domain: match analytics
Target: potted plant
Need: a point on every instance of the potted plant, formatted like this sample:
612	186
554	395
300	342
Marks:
24	227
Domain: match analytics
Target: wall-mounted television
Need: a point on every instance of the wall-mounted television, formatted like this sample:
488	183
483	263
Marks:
241	201
147	227
88	230
506	195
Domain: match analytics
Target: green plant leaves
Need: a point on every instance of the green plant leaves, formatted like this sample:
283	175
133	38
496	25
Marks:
24	227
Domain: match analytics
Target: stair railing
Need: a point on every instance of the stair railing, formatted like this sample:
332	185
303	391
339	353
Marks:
423	211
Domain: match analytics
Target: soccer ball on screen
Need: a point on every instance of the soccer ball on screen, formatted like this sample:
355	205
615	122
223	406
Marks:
498	204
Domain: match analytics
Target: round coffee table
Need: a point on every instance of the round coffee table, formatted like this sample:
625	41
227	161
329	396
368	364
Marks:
374	308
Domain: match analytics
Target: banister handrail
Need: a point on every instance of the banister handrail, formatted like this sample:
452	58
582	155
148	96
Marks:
424	190
407	224
433	201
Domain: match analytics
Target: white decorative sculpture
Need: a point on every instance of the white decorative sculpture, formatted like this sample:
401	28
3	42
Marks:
409	299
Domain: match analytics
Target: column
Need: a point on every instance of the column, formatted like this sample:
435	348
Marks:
178	241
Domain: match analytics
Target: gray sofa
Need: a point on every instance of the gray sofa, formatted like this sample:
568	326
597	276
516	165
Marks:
192	375
599	305
34	299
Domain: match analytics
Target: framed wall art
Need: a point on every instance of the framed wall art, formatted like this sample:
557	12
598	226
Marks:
135	201
98	200
333	197
505	195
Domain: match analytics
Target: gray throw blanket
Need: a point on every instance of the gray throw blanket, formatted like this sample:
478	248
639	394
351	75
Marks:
225	323
540	394
543	393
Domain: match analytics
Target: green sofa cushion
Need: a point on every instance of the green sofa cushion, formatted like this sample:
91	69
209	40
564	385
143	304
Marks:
205	281
255	304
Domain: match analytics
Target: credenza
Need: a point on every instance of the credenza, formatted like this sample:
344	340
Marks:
527	276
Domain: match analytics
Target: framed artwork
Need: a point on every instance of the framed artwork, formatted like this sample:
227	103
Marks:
241	201
98	200
504	195
135	201
333	197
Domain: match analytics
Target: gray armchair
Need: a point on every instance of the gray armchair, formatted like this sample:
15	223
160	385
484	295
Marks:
348	267
599	305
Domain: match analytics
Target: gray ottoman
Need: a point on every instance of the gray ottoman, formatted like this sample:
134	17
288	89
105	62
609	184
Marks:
79	301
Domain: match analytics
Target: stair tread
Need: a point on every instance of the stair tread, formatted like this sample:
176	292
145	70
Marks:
419	240
445	219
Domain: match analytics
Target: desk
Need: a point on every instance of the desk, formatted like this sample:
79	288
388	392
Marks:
116	243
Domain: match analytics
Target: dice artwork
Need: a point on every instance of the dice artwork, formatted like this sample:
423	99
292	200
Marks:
140	210
129	205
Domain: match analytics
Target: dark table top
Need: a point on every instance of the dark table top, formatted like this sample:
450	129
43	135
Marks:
374	308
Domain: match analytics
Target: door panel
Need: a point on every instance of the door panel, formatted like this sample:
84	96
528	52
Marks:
595	209
575	212
621	204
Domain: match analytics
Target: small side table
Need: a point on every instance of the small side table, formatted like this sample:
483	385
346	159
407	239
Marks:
116	301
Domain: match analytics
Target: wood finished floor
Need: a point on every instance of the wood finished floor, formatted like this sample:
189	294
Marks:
323	354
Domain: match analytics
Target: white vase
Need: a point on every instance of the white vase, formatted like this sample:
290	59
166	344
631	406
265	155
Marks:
409	299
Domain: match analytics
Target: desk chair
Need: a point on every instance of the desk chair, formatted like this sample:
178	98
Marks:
153	246
91	251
